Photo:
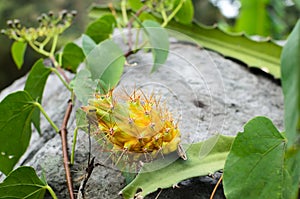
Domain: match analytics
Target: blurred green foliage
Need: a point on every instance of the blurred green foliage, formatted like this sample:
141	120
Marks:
28	11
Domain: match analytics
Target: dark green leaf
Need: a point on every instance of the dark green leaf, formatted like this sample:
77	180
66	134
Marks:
18	50
186	13
23	183
254	10
255	165
159	41
35	85
291	173
135	5
15	128
87	44
290	79
83	86
106	63
161	174
290	69
264	55
72	56
102	28
146	16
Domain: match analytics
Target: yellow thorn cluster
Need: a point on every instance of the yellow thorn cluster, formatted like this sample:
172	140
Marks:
138	124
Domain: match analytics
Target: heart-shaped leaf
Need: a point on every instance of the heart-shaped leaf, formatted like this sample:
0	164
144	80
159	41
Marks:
15	128
159	42
24	183
83	86
35	85
255	165
106	62
87	44
72	56
102	28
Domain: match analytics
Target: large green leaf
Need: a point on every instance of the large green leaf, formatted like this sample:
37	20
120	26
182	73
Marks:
23	183
106	62
35	85
72	56
290	69
88	44
15	128
264	54
260	54
197	164
18	50
159	41
254	18
290	79
83	86
255	165
102	28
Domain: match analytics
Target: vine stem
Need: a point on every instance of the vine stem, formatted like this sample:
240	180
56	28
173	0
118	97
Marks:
129	25
55	70
54	43
63	134
41	51
124	12
170	17
52	193
215	189
46	116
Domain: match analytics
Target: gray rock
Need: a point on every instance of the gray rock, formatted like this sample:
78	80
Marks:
206	92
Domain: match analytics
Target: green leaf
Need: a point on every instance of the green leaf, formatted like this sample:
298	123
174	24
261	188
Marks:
254	11
254	166
81	119
23	183
290	79
150	179
35	85
72	56
135	5
18	50
83	86
87	44
159	41
264	55
15	128
106	62
102	28
186	13
290	69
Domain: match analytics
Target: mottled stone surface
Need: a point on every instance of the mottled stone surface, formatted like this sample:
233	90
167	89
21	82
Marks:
208	93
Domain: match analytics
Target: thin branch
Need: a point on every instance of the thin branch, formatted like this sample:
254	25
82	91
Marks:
215	189
129	26
63	135
89	171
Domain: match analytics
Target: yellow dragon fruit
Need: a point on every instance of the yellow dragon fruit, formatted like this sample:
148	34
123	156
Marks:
138	125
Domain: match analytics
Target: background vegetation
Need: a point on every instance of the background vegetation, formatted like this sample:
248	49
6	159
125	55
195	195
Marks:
277	21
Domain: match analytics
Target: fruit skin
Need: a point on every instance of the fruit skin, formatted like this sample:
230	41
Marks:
137	124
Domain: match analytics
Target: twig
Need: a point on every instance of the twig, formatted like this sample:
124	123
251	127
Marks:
129	26
215	189
63	135
88	174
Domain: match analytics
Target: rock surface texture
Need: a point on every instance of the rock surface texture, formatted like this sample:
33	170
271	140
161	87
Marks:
208	93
